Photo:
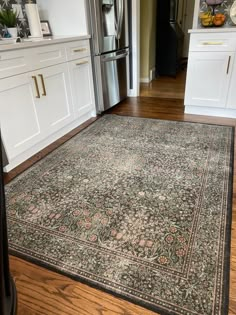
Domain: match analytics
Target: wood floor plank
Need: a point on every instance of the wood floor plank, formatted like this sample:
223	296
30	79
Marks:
165	87
42	292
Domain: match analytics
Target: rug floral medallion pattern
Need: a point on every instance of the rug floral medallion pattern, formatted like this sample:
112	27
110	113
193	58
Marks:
138	207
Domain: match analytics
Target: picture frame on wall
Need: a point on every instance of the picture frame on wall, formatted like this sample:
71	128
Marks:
46	29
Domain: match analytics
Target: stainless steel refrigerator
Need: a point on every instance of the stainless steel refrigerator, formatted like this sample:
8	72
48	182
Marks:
110	48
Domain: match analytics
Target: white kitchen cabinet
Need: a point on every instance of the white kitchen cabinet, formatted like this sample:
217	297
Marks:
18	115
208	78
45	92
231	103
82	86
211	73
33	106
54	108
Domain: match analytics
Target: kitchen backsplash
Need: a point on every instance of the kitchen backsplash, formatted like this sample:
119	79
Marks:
22	25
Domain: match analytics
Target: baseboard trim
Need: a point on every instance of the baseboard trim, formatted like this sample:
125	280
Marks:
210	111
133	93
152	73
145	80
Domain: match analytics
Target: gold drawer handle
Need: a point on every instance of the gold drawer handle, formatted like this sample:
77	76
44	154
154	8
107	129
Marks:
43	85
80	49
36	86
81	63
229	59
212	43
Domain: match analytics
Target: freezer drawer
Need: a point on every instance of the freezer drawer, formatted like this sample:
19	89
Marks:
112	85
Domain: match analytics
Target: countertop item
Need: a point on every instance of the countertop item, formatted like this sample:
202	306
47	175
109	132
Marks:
33	19
33	42
233	13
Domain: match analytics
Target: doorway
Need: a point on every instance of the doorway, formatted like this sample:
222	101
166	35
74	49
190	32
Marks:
156	82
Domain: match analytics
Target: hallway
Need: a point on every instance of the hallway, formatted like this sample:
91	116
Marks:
165	87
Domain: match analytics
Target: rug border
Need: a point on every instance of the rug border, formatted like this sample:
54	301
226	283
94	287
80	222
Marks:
227	248
174	120
146	305
228	232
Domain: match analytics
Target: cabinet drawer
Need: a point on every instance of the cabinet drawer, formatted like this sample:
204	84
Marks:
48	56
81	80
14	62
212	42
77	49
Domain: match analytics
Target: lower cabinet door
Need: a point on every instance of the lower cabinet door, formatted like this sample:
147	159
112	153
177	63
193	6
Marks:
232	88
82	86
55	110
19	123
208	78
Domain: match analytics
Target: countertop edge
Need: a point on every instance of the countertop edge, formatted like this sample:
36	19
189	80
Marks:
212	30
42	42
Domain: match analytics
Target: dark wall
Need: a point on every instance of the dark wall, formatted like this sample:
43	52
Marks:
23	28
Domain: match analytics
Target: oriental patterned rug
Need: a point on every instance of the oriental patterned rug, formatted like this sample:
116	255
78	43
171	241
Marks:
140	208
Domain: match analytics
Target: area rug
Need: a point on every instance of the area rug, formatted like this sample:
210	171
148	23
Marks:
140	208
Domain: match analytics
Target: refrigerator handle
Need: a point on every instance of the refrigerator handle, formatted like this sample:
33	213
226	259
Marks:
120	19
104	59
117	18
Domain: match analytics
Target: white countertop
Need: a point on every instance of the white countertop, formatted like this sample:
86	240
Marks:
213	30
30	42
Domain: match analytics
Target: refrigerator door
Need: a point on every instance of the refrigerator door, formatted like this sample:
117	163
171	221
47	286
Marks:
109	24
111	72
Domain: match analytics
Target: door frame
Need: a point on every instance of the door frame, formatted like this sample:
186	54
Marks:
135	48
136	43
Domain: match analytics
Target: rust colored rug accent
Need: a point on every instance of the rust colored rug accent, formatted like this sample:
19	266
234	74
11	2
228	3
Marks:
137	207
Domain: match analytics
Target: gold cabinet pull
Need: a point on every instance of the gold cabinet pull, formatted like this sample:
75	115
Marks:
81	63
43	85
36	86
212	43
80	49
227	72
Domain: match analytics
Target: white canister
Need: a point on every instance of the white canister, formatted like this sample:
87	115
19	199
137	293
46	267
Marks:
33	19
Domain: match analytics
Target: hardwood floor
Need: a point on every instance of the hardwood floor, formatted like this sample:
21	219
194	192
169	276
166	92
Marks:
44	292
165	87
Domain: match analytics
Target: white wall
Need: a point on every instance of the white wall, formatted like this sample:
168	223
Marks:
65	17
